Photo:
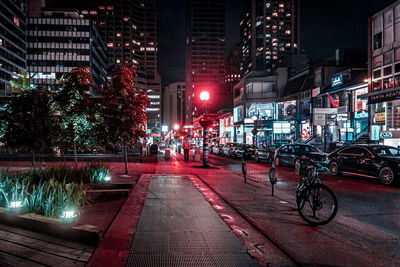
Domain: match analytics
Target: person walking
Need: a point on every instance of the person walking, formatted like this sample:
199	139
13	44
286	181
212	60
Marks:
186	147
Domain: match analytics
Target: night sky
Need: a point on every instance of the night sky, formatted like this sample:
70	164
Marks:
325	26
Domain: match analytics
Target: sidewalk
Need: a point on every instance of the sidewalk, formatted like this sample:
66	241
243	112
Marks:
178	227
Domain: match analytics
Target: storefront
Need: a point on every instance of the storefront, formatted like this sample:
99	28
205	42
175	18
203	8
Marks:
284	132
385	119
226	129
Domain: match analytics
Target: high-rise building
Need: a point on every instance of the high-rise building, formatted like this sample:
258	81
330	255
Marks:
12	42
60	40
269	32
129	29
232	73
174	104
205	55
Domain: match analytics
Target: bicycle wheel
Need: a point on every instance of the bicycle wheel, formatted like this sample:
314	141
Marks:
317	205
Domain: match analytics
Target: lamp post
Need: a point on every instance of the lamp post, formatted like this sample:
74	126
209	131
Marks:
205	123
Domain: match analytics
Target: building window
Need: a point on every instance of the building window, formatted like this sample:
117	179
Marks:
387	71
16	21
118	61
378	41
1	42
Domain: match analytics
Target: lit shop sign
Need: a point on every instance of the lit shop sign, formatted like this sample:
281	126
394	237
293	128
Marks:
281	127
386	135
361	114
164	128
248	120
380	116
342	117
336	81
384	97
375	129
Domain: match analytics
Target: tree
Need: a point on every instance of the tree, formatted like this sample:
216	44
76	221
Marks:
28	122
124	107
76	117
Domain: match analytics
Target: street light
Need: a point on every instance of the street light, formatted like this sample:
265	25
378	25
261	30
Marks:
205	96
176	127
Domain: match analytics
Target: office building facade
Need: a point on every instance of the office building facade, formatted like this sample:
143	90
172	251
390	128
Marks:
129	29
12	42
60	40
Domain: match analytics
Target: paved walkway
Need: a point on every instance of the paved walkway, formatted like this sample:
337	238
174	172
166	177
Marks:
178	227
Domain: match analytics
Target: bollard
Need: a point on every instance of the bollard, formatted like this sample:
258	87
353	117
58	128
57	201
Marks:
244	170
272	177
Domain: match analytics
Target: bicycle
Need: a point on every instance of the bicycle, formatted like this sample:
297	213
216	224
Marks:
316	203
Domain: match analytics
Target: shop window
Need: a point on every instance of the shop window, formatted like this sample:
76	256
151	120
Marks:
378	41
387	71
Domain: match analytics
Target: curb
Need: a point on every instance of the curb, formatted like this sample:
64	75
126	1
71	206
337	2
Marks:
115	247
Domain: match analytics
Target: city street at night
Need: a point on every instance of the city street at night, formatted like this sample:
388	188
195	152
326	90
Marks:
199	133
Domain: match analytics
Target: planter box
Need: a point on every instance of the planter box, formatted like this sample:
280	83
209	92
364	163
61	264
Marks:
87	234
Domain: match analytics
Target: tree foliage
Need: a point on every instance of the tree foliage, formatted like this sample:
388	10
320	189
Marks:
76	115
28	121
124	107
20	83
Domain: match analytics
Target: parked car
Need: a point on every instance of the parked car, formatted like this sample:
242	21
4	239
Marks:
217	149
289	155
245	151
372	161
228	149
266	153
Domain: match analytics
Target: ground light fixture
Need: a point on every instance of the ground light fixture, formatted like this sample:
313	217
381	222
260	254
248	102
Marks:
68	216
15	206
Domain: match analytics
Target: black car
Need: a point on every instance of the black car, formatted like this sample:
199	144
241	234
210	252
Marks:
245	151
289	155
266	153
373	161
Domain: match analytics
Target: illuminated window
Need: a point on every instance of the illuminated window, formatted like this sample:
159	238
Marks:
85	12
101	7
93	12
101	23
281	5
288	15
268	5
126	44
1	42
118	60
134	27
118	34
16	21
110	44
126	61
287	31
275	14
110	7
